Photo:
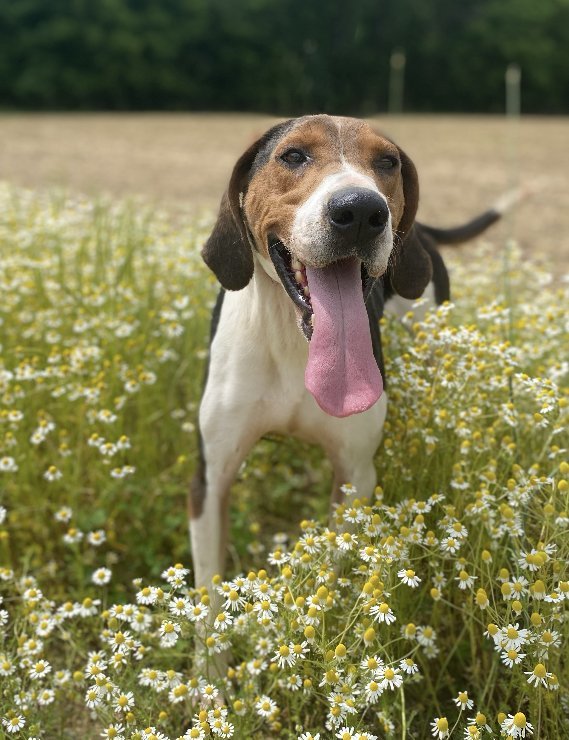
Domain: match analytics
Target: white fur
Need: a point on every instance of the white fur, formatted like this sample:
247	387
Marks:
256	385
311	225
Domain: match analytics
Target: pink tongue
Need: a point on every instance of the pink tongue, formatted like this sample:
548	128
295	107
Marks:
341	372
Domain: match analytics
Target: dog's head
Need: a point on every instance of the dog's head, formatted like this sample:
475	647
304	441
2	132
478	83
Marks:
326	205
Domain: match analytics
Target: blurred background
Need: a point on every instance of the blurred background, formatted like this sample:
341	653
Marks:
158	97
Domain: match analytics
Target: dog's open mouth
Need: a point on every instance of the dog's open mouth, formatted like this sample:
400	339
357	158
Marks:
341	372
292	274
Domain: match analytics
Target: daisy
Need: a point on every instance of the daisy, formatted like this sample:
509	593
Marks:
223	621
14	724
373	663
64	514
45	697
529	561
113	732
124	702
234	601
472	732
8	465
382	613
426	636
347	541
101	576
284	656
409	578
465	580
169	632
194	733
516	725
372	691
264	610
409	666
549	639
265	706
210	692
512	658
480	721
439	727
512	638
180	606
462	701
450	545
197	613
346	733
390	678
539	675
293	682
40	669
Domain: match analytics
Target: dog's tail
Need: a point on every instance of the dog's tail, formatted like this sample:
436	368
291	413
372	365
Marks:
478	225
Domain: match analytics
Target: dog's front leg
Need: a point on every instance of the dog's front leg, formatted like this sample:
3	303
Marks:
352	449
224	446
225	441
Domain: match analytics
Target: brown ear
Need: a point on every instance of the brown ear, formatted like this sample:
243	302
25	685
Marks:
410	267
227	252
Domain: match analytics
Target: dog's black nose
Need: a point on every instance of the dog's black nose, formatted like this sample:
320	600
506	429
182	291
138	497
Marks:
358	213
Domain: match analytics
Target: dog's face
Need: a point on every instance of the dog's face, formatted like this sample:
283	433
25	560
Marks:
324	202
326	189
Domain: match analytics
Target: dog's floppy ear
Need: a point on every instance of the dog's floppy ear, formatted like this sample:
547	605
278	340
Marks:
410	268
227	252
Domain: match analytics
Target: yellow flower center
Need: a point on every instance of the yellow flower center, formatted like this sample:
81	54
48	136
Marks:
540	671
520	720
442	724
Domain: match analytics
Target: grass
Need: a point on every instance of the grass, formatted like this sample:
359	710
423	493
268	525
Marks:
103	331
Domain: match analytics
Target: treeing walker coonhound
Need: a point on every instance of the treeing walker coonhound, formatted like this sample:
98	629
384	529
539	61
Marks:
315	235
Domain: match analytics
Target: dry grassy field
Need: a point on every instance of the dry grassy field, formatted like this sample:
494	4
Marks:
182	161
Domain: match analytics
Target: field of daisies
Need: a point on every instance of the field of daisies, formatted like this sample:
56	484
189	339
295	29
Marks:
436	609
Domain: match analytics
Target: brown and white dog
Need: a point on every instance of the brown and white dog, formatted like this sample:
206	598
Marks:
316	232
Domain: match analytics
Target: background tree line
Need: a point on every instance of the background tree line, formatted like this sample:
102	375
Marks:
280	56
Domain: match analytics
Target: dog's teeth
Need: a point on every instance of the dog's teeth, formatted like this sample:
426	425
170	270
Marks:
299	277
312	321
307	291
296	264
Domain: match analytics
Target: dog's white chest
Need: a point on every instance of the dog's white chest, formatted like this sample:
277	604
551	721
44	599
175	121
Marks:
257	364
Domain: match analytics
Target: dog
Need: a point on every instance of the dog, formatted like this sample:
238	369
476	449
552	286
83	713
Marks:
316	236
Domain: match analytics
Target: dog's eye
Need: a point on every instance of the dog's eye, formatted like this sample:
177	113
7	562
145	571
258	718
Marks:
386	163
294	157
